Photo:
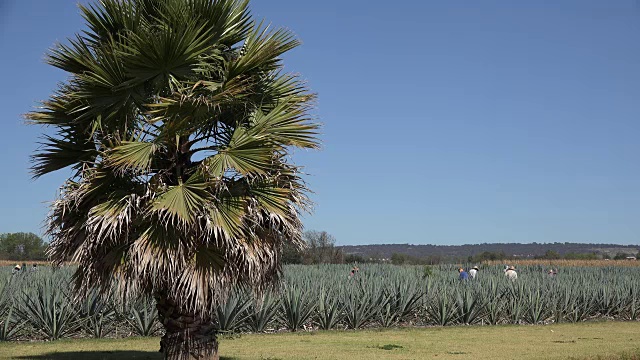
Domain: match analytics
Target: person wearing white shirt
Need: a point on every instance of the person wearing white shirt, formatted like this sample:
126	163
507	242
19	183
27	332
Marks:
473	272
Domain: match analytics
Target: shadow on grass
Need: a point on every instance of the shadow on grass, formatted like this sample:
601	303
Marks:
102	355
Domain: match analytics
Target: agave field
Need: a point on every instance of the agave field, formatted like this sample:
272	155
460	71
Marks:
42	305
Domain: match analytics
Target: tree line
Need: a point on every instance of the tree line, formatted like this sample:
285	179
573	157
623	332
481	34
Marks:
22	247
554	255
320	248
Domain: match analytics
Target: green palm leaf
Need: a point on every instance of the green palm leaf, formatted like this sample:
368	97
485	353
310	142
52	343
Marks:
287	125
132	155
226	216
183	202
58	153
262	49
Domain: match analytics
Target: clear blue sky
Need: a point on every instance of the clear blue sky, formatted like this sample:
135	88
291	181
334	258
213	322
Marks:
446	122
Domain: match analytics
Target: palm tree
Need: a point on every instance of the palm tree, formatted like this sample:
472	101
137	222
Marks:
178	123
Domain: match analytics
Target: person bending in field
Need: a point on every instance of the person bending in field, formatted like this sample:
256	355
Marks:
16	269
354	271
510	273
463	276
473	272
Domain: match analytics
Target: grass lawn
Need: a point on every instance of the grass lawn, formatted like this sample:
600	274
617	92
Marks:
563	341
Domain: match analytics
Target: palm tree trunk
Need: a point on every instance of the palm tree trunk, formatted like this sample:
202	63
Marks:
187	335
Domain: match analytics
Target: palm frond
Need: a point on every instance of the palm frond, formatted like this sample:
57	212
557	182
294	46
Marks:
182	202
59	153
111	18
263	48
287	125
132	155
164	55
246	157
225	216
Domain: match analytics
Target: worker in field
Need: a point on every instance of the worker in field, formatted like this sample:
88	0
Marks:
463	276
354	271
473	272
510	273
16	269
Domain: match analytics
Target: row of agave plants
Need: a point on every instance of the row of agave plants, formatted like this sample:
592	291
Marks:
41	305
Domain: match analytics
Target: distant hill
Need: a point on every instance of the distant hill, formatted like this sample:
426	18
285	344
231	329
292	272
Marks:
460	251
